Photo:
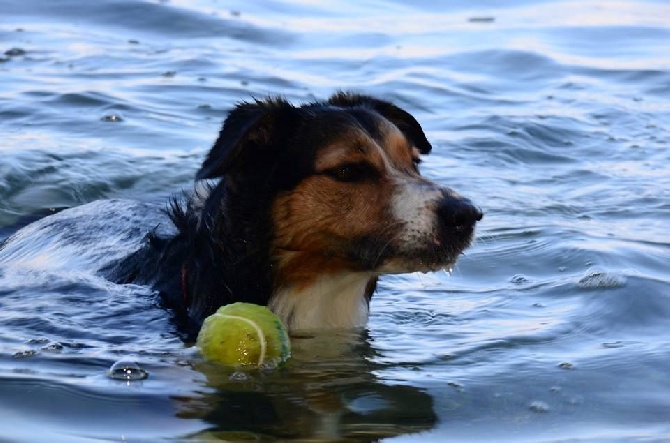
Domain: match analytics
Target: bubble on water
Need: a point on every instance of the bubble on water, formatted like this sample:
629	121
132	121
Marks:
127	370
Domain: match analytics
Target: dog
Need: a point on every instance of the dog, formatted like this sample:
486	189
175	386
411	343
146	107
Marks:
300	208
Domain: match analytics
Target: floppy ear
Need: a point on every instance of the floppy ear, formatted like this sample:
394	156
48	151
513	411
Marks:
249	127
399	117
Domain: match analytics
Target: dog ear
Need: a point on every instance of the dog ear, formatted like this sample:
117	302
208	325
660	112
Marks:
250	127
399	117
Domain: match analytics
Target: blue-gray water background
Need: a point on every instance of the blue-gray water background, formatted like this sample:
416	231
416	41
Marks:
554	116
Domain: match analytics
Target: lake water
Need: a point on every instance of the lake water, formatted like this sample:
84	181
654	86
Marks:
553	116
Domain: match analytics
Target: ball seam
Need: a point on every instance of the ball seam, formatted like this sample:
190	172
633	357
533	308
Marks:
259	332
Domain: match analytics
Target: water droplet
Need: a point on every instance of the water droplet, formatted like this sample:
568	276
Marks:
127	370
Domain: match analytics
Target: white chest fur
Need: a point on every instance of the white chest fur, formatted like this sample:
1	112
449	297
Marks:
332	302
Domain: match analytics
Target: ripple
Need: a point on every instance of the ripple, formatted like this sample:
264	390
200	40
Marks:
553	116
602	280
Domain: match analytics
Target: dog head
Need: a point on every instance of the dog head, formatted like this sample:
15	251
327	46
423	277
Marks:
339	186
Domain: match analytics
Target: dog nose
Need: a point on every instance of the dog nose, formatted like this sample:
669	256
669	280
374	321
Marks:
458	213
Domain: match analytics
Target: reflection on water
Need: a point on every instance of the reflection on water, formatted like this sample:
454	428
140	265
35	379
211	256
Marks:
327	390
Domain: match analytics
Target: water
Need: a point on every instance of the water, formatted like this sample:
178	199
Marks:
553	116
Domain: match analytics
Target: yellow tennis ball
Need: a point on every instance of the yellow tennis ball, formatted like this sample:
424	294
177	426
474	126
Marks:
244	334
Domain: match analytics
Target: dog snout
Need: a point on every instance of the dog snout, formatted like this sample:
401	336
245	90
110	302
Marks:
458	214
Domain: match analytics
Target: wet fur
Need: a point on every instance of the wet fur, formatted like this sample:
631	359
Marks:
304	208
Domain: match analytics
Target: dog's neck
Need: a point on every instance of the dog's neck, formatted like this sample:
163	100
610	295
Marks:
308	292
330	302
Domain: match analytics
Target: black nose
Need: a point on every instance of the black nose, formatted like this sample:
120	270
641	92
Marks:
458	213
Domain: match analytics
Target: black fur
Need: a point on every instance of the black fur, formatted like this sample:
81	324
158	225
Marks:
221	253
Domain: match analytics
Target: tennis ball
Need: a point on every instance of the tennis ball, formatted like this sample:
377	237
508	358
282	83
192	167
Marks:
244	334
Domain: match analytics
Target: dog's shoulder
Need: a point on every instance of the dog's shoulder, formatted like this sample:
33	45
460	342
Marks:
90	236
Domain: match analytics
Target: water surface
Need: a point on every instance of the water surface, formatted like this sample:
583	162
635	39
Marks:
552	116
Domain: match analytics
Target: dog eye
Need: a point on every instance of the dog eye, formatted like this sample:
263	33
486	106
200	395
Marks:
351	172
